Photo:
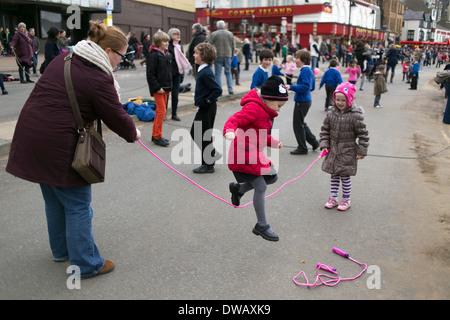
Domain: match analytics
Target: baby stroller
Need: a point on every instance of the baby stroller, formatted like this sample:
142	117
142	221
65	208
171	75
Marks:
128	61
377	60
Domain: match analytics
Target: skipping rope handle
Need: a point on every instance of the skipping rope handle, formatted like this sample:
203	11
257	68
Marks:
324	152
341	253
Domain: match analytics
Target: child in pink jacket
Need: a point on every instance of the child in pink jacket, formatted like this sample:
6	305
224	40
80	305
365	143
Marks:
248	129
353	70
290	68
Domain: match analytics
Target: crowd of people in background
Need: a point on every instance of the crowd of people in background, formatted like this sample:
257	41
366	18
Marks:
166	62
362	60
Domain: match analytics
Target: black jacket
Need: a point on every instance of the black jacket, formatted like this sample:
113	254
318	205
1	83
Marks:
199	37
158	70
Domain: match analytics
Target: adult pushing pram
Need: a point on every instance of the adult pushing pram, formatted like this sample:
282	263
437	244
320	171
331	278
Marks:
377	59
128	60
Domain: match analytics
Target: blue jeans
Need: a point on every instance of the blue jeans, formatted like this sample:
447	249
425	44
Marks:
69	222
35	62
27	73
226	63
314	61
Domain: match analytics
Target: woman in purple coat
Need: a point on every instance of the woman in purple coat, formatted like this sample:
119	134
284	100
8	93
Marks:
23	47
45	137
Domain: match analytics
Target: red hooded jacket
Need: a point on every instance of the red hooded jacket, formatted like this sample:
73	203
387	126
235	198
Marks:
251	126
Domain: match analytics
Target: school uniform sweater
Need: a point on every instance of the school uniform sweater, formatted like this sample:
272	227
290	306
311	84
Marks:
259	77
276	71
415	68
331	77
306	83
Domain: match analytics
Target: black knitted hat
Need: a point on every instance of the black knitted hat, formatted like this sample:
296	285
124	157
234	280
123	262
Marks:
274	89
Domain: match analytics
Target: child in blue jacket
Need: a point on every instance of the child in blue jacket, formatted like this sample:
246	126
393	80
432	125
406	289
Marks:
414	73
306	83
331	78
262	73
276	68
235	66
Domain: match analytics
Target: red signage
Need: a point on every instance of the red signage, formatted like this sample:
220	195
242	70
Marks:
264	12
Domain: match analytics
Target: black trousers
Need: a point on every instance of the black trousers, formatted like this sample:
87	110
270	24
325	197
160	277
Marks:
301	130
329	90
414	81
203	122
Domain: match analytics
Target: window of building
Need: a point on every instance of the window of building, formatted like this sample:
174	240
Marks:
410	36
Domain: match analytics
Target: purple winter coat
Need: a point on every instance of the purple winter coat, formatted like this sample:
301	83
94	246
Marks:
45	137
24	48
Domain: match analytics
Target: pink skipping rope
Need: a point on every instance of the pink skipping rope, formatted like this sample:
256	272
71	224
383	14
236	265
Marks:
332	279
324	152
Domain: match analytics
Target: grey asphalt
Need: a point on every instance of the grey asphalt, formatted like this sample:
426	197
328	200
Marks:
171	240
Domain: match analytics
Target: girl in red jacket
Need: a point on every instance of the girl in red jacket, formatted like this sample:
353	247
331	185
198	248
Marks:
248	129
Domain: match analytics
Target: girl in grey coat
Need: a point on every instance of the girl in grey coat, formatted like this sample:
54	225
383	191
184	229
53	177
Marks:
343	125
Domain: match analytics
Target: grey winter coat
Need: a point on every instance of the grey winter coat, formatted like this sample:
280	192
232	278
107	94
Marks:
339	133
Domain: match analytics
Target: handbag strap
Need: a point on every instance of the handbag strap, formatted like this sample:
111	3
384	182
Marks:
73	98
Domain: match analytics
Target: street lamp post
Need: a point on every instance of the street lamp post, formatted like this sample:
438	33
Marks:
373	27
352	4
210	6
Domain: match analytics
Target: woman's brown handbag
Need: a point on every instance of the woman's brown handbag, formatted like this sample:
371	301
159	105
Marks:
90	154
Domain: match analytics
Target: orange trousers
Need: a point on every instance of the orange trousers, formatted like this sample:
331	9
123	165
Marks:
160	113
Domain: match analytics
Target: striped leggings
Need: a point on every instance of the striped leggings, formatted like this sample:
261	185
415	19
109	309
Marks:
346	186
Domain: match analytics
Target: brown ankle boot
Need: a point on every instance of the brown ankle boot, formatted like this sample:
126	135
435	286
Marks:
107	267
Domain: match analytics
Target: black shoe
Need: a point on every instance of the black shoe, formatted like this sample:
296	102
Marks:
175	117
30	81
204	168
230	92
5	92
235	194
23	81
265	233
299	152
160	141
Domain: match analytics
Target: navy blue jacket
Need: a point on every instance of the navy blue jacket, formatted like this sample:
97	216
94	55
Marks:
206	86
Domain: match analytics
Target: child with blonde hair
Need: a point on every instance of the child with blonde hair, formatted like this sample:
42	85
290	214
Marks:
276	68
159	80
289	68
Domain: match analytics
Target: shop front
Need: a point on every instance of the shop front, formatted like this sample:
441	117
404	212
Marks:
296	23
245	22
337	33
